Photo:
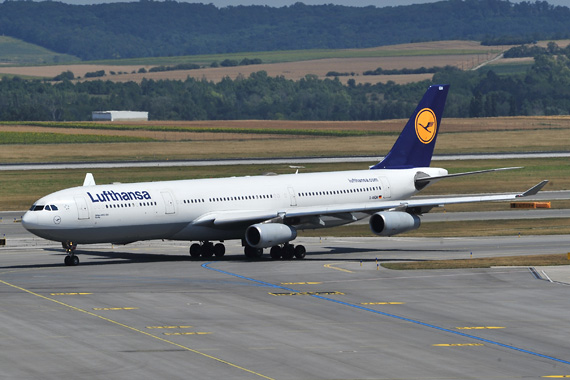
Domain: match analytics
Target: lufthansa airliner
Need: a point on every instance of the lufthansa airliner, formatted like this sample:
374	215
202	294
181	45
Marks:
261	211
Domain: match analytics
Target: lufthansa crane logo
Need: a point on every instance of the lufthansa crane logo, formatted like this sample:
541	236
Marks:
426	125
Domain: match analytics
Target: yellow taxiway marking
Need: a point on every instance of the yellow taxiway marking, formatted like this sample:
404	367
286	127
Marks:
114	308
458	344
330	266
137	330
480	328
307	294
557	376
301	283
168	327
188	333
69	294
382	303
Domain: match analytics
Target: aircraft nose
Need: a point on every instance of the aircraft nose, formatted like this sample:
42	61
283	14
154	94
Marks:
29	220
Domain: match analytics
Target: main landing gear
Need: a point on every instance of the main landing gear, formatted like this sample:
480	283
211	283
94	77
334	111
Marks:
285	252
70	260
207	249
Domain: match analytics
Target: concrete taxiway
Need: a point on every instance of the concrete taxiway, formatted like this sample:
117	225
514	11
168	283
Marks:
146	311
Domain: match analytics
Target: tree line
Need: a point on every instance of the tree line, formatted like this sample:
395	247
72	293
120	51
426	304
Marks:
542	90
169	28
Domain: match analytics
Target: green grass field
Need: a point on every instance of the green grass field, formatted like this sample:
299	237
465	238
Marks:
17	52
34	138
294	56
531	260
173	128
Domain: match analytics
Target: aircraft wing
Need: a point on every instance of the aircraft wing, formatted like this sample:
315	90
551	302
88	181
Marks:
418	204
421	205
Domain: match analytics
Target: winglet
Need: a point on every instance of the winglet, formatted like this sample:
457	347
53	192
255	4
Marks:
414	147
89	180
533	190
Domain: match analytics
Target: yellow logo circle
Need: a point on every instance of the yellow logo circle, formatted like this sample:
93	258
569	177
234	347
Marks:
426	125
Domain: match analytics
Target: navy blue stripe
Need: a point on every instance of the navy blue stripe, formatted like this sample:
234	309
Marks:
492	342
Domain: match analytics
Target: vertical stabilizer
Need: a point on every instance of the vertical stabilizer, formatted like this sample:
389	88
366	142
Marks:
414	147
89	180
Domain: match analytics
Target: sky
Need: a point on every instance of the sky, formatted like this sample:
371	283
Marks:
282	3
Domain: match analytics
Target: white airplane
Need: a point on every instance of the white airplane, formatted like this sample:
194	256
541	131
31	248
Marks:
262	211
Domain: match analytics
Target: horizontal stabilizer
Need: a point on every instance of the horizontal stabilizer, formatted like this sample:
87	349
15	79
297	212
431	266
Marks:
534	190
422	182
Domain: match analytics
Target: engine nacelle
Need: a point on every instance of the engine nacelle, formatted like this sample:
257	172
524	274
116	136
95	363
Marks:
388	223
265	235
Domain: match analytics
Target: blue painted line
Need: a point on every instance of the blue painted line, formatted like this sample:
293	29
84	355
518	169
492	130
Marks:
394	316
205	265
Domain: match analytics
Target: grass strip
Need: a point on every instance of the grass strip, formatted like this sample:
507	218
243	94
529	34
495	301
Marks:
486	262
512	227
7	138
159	128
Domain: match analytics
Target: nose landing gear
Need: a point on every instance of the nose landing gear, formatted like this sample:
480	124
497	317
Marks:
70	260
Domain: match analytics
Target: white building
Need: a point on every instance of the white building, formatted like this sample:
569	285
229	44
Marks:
119	115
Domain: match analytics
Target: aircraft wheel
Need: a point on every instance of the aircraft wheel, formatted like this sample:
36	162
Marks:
300	252
195	251
219	250
71	261
207	250
275	252
253	253
288	252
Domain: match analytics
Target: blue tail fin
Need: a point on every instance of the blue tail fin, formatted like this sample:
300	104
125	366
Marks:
414	146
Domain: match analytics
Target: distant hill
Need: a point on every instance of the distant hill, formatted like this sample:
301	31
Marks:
13	51
153	29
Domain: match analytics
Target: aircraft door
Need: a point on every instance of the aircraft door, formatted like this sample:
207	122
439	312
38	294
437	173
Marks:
82	208
168	202
292	196
386	192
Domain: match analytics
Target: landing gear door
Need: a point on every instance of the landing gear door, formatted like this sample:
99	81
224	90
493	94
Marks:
168	202
82	208
386	192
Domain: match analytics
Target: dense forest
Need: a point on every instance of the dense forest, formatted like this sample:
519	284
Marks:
543	90
168	28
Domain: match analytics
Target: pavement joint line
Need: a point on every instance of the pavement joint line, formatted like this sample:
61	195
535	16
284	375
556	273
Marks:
136	330
394	316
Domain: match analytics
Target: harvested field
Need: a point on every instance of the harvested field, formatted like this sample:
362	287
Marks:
515	134
76	69
462	54
298	70
449	125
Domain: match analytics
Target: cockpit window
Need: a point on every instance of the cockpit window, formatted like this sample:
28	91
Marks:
43	207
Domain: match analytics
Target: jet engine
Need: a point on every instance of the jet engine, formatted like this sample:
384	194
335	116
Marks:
388	223
265	235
